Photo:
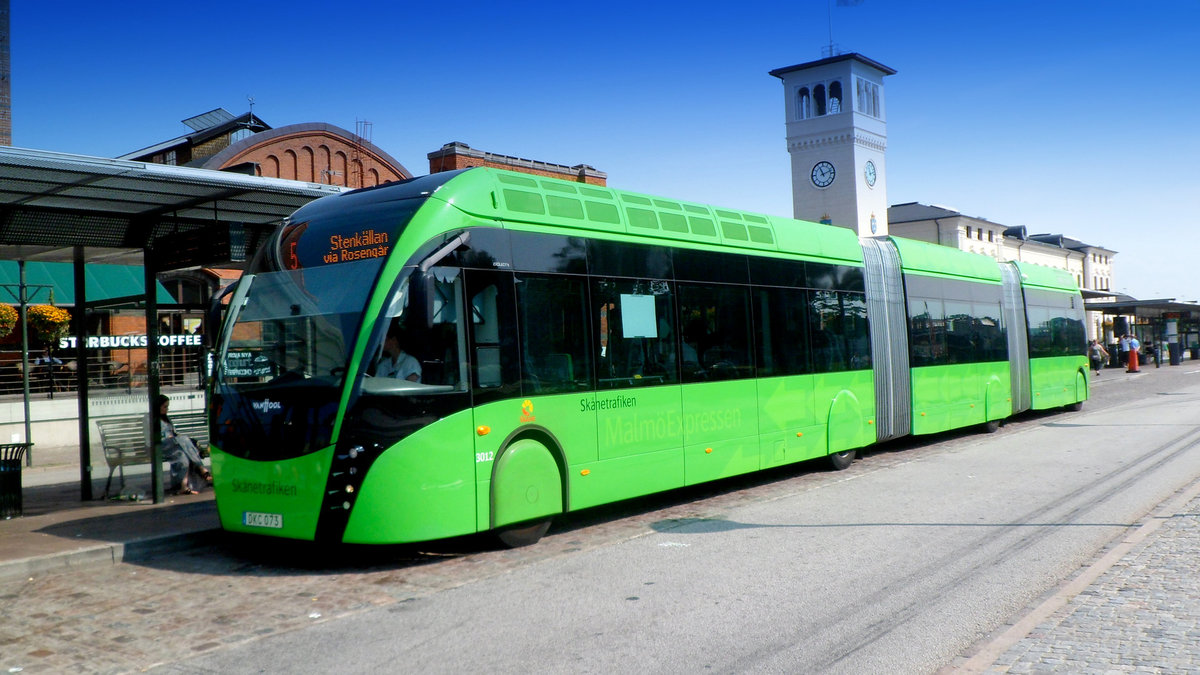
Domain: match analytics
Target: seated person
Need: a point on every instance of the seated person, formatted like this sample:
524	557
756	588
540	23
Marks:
395	362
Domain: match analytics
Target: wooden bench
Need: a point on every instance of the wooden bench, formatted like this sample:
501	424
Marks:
126	440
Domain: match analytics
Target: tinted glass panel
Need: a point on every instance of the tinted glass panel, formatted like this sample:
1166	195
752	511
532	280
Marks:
857	331
781	327
775	272
616	259
710	266
850	279
634	323
822	276
486	248
494	354
927	330
548	253
837	332
555	356
716	333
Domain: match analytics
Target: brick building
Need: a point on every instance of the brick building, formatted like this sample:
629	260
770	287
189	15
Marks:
314	152
456	155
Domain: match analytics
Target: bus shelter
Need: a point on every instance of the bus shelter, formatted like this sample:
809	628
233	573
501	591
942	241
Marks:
86	211
1165	322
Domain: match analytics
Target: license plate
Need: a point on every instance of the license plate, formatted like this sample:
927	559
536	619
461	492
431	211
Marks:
272	520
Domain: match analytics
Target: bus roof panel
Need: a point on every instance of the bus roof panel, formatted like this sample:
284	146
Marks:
517	197
1046	277
933	259
815	239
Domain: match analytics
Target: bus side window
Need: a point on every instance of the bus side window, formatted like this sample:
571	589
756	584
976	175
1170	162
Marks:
555	355
636	341
493	334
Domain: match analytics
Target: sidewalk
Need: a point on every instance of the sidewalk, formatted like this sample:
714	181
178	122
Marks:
1136	607
59	531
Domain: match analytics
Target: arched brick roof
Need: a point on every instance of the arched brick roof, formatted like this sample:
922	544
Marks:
314	152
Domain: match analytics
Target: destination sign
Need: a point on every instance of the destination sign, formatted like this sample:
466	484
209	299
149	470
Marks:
247	364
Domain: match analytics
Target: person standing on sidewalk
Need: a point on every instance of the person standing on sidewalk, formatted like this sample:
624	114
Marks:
1098	355
1123	350
1134	346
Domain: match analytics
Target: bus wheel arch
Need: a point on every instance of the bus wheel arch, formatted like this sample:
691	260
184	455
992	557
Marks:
1081	391
528	486
844	421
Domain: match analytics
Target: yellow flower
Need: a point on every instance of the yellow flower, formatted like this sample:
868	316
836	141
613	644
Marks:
8	319
48	321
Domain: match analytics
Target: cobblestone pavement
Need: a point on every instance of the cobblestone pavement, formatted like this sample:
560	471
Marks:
132	616
1140	616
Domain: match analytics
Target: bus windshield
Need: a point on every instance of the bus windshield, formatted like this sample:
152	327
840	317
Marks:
286	351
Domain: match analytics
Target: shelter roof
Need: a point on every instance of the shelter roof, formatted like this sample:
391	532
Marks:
51	202
1152	309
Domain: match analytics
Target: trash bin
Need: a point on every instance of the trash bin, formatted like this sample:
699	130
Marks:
11	457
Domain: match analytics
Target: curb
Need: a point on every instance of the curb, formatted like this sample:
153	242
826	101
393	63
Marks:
107	554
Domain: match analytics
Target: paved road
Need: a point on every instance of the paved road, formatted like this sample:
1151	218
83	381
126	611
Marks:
907	562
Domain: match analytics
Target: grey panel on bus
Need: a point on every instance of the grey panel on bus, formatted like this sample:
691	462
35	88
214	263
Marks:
1013	302
889	339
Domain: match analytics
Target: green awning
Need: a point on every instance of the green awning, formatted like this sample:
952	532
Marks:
104	282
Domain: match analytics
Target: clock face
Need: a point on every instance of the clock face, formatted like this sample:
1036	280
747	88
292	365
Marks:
869	173
823	174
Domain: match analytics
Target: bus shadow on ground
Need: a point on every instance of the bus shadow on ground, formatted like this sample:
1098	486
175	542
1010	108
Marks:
232	553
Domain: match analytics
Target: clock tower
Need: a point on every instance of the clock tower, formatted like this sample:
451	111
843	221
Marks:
836	135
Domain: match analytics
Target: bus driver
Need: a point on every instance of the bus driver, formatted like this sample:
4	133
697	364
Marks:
395	362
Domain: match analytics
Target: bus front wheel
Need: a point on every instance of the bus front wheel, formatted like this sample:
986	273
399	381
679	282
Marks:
526	534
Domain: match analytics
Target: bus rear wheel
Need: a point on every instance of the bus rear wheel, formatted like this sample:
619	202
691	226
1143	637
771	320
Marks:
525	534
992	426
842	460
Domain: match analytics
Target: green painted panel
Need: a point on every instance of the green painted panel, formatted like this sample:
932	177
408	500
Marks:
846	403
291	488
619	478
564	207
638	420
431	471
527	484
641	218
1046	277
736	231
702	226
816	241
674	222
949	397
719	411
1055	381
524	202
603	212
943	261
720	459
570	418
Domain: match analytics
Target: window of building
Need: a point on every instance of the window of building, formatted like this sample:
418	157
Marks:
991	236
866	97
835	97
803	104
819	99
968	232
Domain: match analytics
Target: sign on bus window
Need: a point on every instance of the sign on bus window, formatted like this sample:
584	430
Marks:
637	316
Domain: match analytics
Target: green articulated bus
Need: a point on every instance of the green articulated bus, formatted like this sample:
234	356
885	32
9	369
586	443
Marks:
481	350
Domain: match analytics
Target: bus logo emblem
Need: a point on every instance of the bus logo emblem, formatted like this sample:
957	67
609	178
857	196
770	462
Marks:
527	411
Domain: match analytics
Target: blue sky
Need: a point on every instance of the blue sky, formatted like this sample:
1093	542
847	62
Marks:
1078	118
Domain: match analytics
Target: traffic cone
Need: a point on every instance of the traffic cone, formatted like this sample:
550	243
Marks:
1133	362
